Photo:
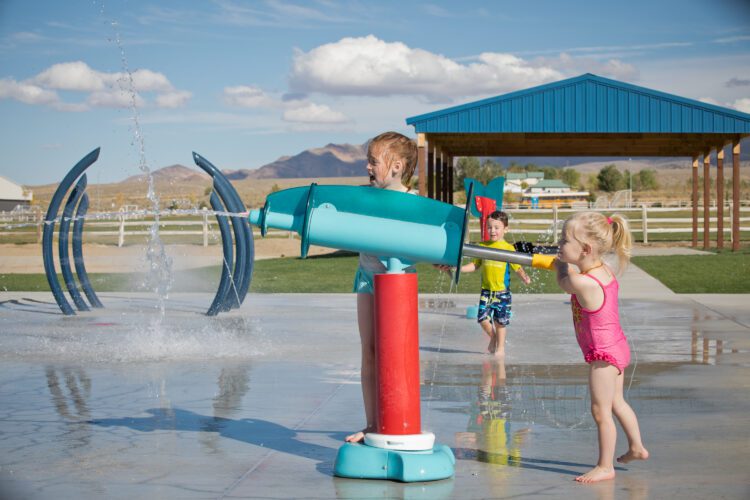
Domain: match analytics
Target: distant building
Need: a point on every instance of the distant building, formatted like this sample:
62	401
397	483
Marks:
549	186
13	195
550	192
517	182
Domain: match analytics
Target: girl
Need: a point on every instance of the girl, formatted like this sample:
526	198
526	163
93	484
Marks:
391	159
586	237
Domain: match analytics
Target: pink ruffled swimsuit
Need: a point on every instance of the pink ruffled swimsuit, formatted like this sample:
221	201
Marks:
599	333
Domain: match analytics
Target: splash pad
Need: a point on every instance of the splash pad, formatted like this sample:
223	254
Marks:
399	228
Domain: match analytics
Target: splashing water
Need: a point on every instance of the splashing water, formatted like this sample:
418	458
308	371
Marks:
160	277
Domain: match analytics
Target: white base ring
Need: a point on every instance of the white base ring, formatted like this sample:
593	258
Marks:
405	442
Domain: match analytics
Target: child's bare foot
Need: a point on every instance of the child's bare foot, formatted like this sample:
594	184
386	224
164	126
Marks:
596	474
635	454
358	436
500	352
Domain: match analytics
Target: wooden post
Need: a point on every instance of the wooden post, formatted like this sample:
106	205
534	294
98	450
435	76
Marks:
450	180
39	226
430	174
644	218
205	227
736	196
446	179
421	164
121	238
695	201
554	223
706	199
720	198
438	176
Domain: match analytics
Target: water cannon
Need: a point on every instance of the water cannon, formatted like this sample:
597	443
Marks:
404	229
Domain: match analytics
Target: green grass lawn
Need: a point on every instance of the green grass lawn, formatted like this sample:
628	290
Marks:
724	272
332	273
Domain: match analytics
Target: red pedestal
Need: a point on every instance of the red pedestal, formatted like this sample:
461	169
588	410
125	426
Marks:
397	354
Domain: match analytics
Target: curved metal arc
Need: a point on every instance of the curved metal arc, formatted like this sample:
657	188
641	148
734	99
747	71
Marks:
62	244
49	228
83	276
226	270
227	194
244	240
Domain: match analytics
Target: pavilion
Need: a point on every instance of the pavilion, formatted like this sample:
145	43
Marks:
587	116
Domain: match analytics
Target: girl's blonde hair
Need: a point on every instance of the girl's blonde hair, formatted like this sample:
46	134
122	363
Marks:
396	146
604	234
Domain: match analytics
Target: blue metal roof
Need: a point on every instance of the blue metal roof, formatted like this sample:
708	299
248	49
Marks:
584	104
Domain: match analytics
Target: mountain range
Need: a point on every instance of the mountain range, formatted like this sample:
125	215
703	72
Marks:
332	160
350	160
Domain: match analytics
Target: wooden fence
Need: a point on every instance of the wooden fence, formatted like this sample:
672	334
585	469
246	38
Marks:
673	224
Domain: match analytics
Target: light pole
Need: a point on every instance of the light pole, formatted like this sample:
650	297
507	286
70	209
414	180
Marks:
630	178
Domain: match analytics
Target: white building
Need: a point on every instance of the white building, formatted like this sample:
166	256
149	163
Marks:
518	182
13	195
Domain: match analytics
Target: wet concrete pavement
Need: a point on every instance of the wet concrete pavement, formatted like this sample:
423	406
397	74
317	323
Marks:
122	403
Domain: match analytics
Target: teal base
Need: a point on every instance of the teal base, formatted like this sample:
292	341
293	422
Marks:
360	461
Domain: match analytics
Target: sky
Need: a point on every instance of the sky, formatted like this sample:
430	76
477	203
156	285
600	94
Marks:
246	82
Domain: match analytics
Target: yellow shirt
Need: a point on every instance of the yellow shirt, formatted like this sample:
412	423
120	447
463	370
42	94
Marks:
495	275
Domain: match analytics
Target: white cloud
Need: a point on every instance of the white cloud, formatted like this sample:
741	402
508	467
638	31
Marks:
297	110
314	113
733	39
742	104
710	100
175	99
27	93
114	98
110	90
570	65
76	76
247	96
145	80
370	66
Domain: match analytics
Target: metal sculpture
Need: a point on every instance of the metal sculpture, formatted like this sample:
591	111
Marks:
237	266
49	229
242	269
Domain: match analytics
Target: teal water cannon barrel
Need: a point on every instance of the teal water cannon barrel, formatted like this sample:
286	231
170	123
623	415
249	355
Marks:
368	220
389	224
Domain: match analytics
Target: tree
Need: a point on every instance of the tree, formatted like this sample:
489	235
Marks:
610	179
549	172
571	177
470	167
647	180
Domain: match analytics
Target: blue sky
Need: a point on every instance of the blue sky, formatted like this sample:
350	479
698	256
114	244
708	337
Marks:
244	82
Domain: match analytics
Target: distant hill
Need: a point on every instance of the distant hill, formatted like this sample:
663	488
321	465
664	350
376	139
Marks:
332	160
173	173
350	160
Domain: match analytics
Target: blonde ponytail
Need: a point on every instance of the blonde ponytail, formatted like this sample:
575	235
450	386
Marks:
622	241
605	234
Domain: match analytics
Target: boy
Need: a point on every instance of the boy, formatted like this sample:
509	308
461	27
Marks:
495	299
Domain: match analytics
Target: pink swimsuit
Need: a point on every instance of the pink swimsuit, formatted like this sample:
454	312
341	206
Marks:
599	333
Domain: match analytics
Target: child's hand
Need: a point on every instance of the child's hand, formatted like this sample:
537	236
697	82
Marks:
560	265
443	267
526	279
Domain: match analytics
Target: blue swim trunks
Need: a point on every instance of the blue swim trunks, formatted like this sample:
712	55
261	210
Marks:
495	306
